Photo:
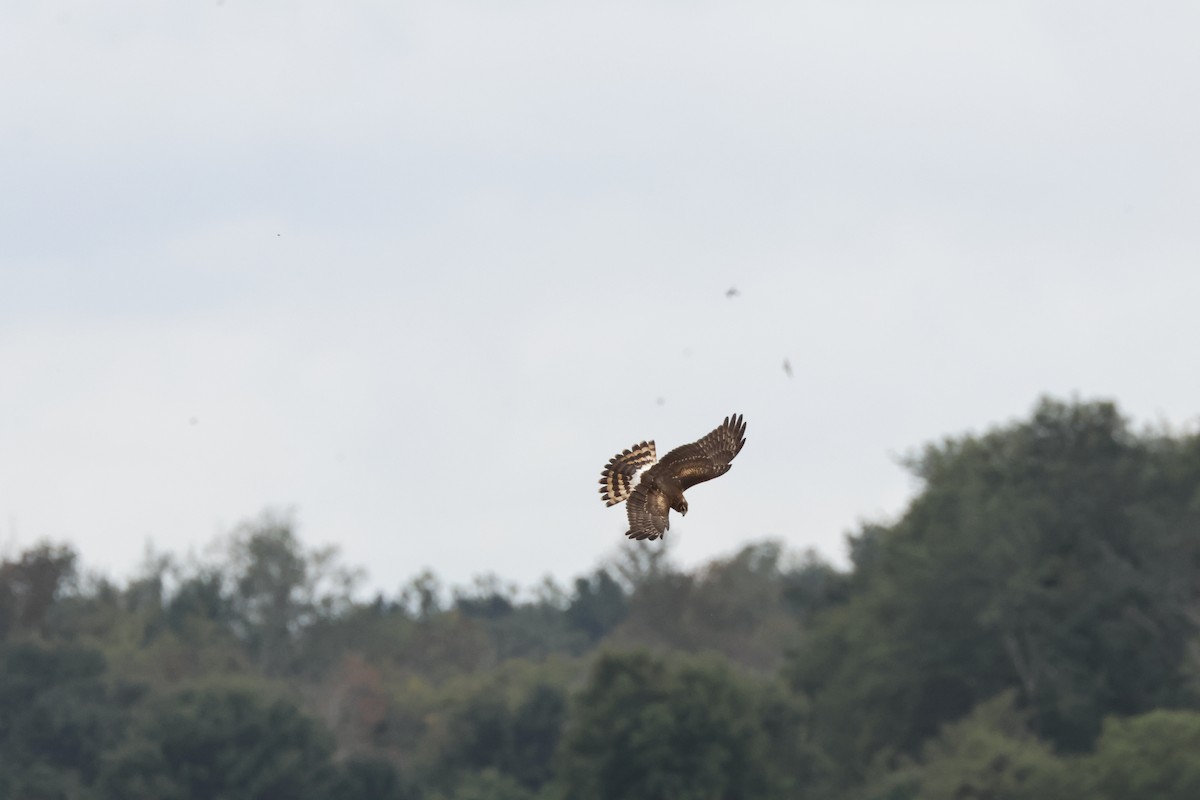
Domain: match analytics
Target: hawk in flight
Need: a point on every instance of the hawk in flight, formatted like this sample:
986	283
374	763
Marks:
651	488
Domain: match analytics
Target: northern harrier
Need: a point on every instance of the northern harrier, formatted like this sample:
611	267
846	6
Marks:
653	489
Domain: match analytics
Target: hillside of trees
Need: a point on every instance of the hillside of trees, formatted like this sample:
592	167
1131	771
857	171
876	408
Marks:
1028	629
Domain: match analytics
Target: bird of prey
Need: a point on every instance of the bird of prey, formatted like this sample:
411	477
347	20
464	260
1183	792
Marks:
651	488
787	367
732	291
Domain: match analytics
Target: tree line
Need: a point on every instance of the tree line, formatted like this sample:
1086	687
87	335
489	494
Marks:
1028	629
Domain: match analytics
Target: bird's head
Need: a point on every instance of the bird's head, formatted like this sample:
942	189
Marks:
681	507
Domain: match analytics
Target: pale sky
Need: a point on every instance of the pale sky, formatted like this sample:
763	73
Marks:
418	269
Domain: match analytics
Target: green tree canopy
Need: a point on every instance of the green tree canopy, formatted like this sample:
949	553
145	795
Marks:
1054	556
227	743
58	715
654	728
1153	755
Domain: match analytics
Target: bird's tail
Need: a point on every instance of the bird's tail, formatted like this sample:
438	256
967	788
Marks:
621	472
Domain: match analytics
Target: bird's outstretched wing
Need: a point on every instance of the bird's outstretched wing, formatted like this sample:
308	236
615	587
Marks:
647	510
616	481
706	458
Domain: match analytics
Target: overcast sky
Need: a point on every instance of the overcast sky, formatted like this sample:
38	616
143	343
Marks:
416	270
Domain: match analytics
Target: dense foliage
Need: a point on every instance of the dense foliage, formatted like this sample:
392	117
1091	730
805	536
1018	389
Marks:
1027	630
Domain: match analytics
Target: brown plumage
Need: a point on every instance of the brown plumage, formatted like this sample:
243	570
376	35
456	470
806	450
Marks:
616	480
661	485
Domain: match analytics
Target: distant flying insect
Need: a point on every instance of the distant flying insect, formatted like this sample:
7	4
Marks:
787	367
651	488
732	292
